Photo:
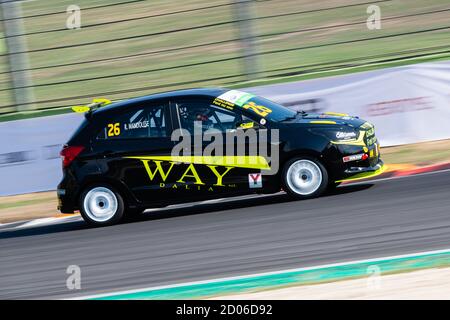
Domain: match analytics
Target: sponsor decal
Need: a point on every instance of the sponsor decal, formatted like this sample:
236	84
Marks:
192	175
258	109
224	104
236	97
399	106
345	135
354	142
247	125
18	157
137	125
255	180
355	157
113	129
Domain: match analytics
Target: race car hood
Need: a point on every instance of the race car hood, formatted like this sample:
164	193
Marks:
331	118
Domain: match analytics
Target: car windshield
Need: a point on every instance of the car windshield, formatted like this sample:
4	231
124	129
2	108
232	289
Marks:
254	105
278	113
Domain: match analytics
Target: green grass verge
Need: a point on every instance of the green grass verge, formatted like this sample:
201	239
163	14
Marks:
285	29
23	203
345	70
312	75
34	114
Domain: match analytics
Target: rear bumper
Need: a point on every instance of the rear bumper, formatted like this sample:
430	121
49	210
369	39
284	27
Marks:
359	173
66	201
64	204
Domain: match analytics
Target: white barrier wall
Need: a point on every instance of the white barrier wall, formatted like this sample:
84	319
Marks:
407	104
29	153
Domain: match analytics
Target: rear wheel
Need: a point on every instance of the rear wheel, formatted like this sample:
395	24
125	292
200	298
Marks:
101	205
304	178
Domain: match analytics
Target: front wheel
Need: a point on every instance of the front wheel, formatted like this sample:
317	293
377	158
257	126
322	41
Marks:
101	205
304	178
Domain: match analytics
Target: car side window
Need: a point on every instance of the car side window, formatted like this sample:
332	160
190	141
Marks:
202	115
145	122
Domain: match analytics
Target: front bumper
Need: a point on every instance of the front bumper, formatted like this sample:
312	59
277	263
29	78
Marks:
359	173
366	147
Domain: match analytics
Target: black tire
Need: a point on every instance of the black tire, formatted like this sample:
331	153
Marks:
296	191
117	205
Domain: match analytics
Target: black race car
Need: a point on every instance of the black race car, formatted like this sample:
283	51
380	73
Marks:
175	147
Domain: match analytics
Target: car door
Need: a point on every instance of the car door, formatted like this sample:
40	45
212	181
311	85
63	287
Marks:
217	164
132	145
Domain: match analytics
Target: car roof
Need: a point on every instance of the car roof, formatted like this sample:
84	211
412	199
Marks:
163	95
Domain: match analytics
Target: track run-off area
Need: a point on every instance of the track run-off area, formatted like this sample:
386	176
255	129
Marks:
236	237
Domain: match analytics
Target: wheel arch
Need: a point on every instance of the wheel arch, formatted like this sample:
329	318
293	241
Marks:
128	198
311	157
307	153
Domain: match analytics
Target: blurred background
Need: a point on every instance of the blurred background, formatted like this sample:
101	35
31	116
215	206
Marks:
128	48
311	55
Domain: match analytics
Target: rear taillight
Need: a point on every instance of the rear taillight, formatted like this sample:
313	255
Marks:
69	153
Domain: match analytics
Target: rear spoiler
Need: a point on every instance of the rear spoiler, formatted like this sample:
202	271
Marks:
95	104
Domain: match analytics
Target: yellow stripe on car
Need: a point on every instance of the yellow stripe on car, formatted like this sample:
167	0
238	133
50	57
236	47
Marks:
250	162
337	114
322	122
247	125
366	175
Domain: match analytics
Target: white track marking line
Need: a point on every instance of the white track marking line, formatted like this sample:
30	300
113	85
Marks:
212	200
11	223
38	222
409	255
41	221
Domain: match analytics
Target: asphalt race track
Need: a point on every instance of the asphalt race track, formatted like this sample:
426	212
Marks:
239	237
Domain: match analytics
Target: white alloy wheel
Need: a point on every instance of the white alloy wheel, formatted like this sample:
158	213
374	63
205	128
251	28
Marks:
100	204
304	177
